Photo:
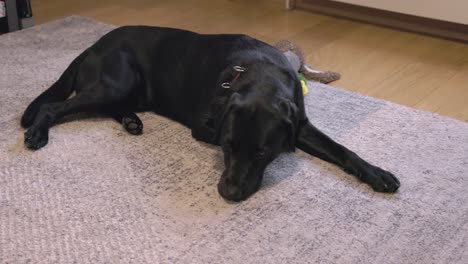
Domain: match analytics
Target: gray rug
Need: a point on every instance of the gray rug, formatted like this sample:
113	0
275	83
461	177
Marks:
96	194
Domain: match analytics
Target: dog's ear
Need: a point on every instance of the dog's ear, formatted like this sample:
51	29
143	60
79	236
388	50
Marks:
208	127
290	115
219	112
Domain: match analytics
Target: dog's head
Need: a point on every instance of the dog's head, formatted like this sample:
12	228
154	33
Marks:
254	131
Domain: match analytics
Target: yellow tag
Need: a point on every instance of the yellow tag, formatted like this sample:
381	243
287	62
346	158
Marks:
304	87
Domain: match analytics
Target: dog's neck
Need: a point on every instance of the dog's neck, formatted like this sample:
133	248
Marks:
245	75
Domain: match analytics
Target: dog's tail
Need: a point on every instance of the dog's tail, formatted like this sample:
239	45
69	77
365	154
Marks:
59	91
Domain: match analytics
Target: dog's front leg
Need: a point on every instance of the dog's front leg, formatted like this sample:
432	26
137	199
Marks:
202	132
316	143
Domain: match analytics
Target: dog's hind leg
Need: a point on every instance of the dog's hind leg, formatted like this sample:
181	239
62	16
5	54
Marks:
37	135
314	142
130	121
102	86
58	91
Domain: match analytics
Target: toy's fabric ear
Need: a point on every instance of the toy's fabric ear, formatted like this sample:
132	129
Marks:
293	60
286	45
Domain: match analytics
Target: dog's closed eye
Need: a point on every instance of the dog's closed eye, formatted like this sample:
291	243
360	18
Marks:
227	146
260	154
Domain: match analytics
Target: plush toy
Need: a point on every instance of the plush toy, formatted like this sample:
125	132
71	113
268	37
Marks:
305	72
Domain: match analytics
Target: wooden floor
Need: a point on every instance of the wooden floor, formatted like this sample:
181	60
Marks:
414	70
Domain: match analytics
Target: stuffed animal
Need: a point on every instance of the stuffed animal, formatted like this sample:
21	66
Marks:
296	59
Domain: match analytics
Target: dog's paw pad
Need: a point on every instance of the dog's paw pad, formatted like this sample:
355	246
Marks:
133	126
35	139
383	181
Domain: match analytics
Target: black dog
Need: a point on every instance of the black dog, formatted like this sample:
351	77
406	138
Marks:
230	90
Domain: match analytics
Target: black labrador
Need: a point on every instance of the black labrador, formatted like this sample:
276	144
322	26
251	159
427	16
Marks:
230	90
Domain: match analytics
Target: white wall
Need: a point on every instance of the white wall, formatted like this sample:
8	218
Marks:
448	10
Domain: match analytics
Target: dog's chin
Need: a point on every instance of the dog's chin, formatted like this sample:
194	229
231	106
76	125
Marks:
233	201
234	194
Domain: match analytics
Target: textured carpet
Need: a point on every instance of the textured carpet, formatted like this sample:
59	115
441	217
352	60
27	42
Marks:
96	194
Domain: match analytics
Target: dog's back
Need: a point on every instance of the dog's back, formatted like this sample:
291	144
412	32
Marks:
178	69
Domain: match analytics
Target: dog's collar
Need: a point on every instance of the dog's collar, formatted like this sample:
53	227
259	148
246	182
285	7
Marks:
238	70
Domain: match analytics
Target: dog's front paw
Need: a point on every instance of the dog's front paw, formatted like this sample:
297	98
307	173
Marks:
380	180
35	138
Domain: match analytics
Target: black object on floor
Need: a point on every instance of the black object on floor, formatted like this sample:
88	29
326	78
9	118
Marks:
18	15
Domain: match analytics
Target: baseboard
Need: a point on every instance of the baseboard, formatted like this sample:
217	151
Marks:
433	27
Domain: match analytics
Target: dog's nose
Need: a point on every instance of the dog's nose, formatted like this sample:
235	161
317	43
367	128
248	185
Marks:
232	190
